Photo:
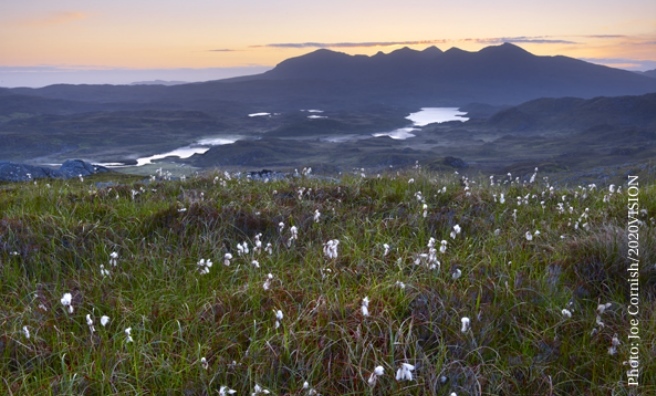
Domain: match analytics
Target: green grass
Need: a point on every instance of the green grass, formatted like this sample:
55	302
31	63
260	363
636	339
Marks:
55	235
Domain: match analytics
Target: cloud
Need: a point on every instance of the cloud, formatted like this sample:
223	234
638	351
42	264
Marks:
363	44
55	18
522	39
355	44
223	50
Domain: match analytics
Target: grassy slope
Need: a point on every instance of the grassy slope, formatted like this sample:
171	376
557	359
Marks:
53	239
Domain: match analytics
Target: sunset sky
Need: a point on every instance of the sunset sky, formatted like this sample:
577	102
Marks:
121	41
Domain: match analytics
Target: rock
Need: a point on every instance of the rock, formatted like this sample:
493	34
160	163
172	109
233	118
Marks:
455	162
13	172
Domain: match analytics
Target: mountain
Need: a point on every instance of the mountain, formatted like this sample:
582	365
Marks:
578	114
501	74
650	73
504	74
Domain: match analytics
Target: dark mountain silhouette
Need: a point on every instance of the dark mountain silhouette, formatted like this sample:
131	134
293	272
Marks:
504	74
650	73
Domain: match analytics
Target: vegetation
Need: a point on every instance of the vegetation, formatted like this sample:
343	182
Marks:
540	274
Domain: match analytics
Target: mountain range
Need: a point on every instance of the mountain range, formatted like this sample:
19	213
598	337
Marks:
504	74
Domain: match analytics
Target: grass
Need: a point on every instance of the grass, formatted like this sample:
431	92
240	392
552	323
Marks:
55	235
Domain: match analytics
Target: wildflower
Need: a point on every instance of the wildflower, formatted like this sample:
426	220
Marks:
242	248
90	323
267	282
330	249
400	284
456	230
269	248
294	232
317	215
279	317
502	199
365	306
203	363
443	246
497	232
257	243
378	372
204	266
566	313
404	373
411	181
310	391
281	227
456	274
387	249
128	335
529	236
104	320
465	324
67	301
255	263
113	259
614	344
26	332
259	390
425	213
433	262
225	391
104	272
431	243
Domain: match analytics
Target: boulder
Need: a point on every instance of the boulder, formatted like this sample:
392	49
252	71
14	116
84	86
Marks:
13	172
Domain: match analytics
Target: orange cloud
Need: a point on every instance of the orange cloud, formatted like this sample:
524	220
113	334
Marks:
55	18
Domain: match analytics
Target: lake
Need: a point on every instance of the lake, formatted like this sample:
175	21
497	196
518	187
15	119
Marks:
425	116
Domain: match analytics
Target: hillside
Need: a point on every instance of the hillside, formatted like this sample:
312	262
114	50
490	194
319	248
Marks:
118	285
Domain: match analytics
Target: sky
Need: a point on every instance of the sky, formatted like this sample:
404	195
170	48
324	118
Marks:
121	41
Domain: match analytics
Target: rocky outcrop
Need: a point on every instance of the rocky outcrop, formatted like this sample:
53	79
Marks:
13	172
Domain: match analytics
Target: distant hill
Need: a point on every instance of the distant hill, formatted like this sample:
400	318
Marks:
650	73
499	75
576	113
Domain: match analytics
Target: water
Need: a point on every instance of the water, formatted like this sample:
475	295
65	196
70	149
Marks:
427	115
200	147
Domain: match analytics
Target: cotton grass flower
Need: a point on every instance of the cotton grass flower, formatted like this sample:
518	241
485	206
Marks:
257	390
113	259
225	391
404	373
26	332
103	271
379	371
67	302
456	274
365	307
614	344
267	282
279	316
528	236
104	320
204	266
387	249
203	363
317	216
226	259
128	335
330	249
465	322
90	323
456	231
567	314
443	246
